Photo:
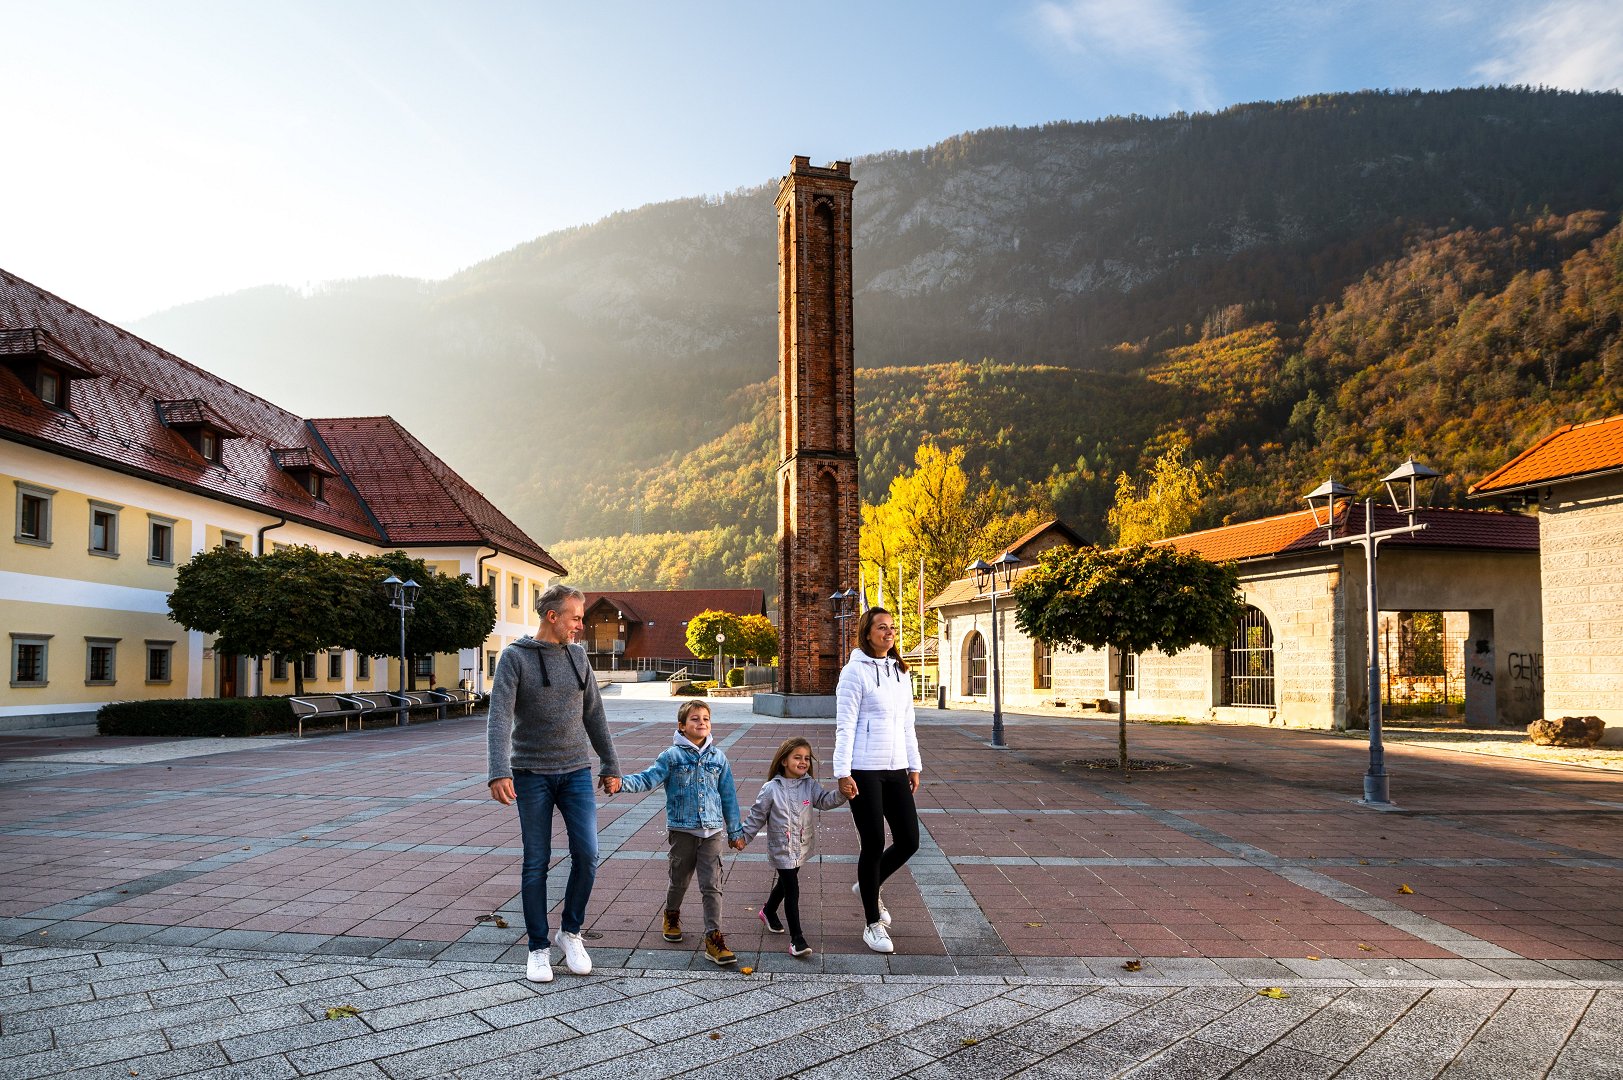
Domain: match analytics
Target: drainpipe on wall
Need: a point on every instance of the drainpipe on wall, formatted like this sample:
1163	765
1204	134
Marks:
479	660
259	661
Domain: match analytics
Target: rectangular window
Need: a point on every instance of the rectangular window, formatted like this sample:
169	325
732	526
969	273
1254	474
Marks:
161	543
50	387
101	661
335	665
517	585
1123	670
29	659
1042	664
309	665
104	529
159	657
422	666
231	540
535	598
208	444
279	668
490	664
33	514
363	667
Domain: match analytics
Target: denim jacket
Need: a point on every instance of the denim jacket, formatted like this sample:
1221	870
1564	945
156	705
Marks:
699	789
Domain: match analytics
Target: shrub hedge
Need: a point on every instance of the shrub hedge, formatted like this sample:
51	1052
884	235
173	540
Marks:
196	717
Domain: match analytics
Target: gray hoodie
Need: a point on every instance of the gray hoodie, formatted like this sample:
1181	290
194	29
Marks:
784	809
546	715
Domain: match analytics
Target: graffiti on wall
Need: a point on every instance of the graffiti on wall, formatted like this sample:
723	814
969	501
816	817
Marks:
1526	675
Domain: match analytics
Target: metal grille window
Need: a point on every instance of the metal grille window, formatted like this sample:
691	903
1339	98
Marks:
490	664
309	665
158	661
422	666
1248	663
28	659
335	665
279	668
1042	665
975	666
101	660
363	666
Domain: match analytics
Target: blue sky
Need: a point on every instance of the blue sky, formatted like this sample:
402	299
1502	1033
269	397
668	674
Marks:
170	150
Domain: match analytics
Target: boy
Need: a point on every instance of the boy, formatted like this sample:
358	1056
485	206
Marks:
700	801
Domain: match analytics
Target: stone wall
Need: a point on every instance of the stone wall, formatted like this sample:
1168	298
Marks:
1581	538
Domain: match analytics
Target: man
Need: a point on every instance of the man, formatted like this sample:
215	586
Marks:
546	718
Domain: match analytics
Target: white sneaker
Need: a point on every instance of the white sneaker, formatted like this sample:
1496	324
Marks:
884	913
574	950
539	967
877	938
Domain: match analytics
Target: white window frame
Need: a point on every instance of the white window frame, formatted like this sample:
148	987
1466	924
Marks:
47	496
490	664
233	540
516	591
58	398
154	523
43	641
111	511
111	645
167	650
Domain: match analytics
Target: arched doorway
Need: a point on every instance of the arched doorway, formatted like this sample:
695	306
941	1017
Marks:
1248	663
974	666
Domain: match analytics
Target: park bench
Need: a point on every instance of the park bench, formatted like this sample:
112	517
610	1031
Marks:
330	707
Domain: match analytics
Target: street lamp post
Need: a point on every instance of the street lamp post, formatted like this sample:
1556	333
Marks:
1405	479
845	607
720	639
992	581
403	598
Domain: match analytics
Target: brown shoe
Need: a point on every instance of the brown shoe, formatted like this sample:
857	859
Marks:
716	950
673	925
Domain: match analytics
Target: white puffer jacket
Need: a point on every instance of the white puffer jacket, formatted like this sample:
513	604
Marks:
873	710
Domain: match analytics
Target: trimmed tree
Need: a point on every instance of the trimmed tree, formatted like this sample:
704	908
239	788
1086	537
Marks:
702	631
449	614
760	638
1132	599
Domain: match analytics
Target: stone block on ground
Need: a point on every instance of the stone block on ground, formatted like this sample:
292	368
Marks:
1567	731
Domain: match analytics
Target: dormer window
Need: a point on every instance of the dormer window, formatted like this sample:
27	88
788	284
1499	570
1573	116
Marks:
203	429
305	466
44	365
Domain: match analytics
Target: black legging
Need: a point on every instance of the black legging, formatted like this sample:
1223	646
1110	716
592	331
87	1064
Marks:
883	797
786	891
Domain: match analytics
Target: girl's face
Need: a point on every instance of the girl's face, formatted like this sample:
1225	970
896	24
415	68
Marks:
882	634
696	728
798	763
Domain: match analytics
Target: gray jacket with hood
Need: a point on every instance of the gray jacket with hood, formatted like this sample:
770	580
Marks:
784	810
546	714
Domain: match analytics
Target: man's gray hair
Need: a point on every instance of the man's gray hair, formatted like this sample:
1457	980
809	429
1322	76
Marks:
553	598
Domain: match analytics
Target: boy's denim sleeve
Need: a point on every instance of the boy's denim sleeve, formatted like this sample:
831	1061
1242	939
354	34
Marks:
649	779
729	802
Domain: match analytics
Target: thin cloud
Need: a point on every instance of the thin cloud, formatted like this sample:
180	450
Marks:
1572	44
1155	34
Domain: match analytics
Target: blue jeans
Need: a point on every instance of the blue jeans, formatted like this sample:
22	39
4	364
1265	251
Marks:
572	795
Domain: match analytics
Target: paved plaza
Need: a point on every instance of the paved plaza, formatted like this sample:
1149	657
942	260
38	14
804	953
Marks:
194	908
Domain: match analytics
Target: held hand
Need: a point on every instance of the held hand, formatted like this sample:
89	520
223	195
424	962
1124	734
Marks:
502	791
609	784
913	781
848	787
737	845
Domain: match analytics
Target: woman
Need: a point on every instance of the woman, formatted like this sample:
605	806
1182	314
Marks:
876	763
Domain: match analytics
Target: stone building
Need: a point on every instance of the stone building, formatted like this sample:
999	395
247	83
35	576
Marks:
1573	480
1298	658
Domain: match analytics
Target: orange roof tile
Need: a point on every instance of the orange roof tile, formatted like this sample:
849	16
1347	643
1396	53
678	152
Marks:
1564	454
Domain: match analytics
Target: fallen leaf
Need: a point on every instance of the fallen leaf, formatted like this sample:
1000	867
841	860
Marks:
1272	992
304	838
247	849
747	970
342	1012
715	1035
1405	890
968	1042
1366	948
1132	965
1311	957
1034	924
501	924
1363	862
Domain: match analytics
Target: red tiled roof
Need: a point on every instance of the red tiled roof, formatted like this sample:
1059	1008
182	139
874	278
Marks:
396	491
1054	525
114	420
417	498
1567	453
659	619
1285	535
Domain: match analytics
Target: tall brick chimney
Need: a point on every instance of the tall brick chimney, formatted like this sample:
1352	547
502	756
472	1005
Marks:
818	509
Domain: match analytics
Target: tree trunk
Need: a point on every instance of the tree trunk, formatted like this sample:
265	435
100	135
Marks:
1121	727
298	677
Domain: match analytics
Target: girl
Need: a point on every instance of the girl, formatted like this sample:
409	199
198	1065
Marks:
876	762
784	809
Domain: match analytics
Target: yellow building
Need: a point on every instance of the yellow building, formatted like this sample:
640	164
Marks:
122	461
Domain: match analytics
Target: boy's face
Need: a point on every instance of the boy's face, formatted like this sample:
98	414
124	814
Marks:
696	728
798	763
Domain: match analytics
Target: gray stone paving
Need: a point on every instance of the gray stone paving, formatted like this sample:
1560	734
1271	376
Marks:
145	1011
